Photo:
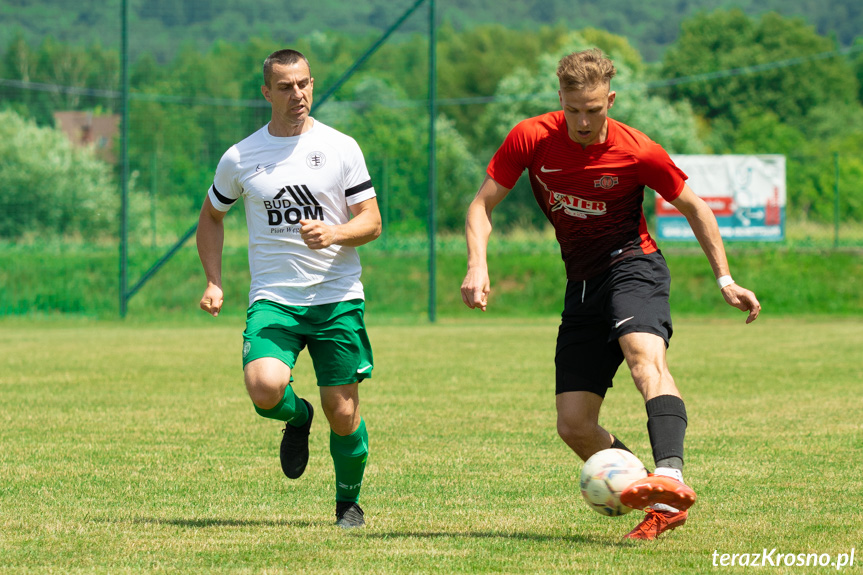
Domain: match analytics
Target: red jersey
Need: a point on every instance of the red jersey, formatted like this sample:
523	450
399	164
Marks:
592	196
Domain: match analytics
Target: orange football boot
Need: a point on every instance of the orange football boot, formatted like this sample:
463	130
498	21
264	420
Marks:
657	522
658	489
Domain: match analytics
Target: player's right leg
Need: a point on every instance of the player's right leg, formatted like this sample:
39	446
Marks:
656	522
585	364
268	383
578	423
269	354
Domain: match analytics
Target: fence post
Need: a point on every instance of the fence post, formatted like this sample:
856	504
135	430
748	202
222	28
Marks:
385	200
154	183
836	200
124	160
432	162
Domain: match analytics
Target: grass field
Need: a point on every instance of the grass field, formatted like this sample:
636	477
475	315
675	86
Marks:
527	280
133	448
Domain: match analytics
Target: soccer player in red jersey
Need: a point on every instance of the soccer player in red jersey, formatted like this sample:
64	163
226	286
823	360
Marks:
588	173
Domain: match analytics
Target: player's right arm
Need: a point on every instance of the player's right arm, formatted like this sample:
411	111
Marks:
210	238
476	285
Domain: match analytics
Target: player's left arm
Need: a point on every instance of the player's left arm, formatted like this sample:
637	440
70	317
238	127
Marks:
706	230
363	227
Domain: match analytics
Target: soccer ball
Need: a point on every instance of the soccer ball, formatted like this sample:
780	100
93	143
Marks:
605	475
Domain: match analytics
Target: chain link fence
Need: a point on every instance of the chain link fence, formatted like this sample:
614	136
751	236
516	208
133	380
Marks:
61	110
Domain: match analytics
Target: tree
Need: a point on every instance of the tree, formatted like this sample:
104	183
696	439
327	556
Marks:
472	63
530	92
394	140
729	40
797	102
48	188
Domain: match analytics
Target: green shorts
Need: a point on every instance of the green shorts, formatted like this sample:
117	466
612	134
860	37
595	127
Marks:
335	334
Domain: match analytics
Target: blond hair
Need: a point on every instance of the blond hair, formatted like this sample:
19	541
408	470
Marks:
585	70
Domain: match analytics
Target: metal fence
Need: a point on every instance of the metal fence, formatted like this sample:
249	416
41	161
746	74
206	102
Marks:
140	203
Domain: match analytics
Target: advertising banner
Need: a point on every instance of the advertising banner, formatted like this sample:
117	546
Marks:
746	194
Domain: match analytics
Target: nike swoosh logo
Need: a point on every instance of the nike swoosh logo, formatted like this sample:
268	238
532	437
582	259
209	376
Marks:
260	167
365	369
545	170
619	323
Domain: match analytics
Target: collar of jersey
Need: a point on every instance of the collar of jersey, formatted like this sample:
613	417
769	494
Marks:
285	139
593	147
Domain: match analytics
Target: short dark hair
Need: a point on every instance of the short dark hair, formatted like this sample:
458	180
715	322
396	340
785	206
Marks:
284	57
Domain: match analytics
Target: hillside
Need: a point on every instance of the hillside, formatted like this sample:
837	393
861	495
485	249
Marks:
160	27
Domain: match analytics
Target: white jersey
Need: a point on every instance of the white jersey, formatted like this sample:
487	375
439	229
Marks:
315	175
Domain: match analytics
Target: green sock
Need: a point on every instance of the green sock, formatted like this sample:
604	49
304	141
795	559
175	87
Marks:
291	409
350	453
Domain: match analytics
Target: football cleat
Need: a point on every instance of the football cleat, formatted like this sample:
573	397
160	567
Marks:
349	515
658	489
657	522
294	451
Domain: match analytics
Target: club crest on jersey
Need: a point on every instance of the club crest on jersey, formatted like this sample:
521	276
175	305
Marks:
316	160
573	205
605	182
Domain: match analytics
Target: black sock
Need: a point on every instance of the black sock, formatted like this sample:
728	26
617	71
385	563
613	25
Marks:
672	462
666	426
618	444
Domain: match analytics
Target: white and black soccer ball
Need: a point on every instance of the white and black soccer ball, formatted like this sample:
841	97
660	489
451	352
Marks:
605	475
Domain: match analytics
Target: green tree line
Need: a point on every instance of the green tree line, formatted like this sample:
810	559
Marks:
801	98
162	27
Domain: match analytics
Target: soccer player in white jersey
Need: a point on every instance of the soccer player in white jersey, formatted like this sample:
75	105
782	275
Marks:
309	202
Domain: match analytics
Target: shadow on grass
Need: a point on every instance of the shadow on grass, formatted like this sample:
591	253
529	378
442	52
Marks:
370	533
494	535
209	522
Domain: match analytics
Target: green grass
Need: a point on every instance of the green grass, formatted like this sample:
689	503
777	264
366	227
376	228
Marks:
527	280
133	448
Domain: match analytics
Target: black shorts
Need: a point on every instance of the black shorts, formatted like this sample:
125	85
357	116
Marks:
632	296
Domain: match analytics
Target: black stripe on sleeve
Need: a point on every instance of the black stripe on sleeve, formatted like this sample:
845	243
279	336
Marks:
221	198
358	188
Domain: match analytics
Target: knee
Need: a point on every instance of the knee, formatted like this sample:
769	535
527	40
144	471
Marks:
652	379
643	372
265	392
573	432
343	419
341	405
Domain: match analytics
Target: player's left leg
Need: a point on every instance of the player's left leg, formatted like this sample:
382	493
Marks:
349	447
639	315
666	424
342	358
662	494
